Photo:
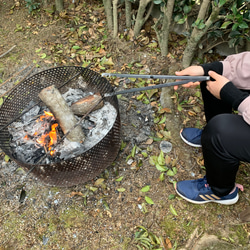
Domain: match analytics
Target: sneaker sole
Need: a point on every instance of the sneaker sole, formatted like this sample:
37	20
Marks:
189	143
223	202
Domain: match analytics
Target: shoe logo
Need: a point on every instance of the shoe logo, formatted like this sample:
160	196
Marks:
209	197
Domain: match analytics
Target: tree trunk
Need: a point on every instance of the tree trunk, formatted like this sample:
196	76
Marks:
115	18
109	14
140	19
197	34
163	34
59	5
128	13
45	3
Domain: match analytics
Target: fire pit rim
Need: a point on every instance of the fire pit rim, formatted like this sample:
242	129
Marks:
100	83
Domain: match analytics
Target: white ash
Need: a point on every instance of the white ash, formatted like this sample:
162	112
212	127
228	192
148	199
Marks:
102	120
95	126
32	113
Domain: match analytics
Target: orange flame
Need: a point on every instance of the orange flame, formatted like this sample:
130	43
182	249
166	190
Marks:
42	139
49	139
42	117
53	135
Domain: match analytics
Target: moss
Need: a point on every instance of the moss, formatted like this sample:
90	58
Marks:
174	226
239	234
55	189
72	217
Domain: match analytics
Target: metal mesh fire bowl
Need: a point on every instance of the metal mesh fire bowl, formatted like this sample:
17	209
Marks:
78	169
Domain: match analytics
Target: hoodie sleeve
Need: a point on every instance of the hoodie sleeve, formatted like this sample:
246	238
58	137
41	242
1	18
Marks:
236	68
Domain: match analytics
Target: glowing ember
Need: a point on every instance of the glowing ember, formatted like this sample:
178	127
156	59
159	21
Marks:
26	137
47	114
46	140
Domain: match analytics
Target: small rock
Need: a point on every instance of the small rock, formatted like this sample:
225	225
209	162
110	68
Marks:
45	240
165	146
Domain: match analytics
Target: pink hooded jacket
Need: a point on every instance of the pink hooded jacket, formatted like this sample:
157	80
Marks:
236	68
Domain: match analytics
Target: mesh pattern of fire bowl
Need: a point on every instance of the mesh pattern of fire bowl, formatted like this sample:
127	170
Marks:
83	167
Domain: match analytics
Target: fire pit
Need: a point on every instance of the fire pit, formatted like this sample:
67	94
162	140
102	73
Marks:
71	170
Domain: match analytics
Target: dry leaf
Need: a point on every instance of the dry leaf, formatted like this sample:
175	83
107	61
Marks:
197	109
78	59
149	141
174	162
92	32
185	121
159	135
191	113
167	159
99	182
131	35
102	51
154	104
164	110
109	214
168	243
75	193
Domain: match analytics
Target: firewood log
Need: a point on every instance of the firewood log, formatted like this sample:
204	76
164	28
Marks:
82	106
53	99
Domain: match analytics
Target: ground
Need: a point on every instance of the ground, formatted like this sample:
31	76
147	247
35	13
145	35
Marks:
132	204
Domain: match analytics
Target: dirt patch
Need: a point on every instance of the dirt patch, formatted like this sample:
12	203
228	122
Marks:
110	211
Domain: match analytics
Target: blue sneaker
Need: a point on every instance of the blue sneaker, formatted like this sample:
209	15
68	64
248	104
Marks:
192	136
199	192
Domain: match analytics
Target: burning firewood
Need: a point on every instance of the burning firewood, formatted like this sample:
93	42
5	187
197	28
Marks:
62	112
85	104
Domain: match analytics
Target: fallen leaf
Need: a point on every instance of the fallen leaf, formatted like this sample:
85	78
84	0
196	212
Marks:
161	159
167	159
149	141
168	243
165	110
145	189
191	113
160	167
99	182
109	213
75	193
154	104
6	158
102	51
159	135
121	189
197	109
172	210
119	179
108	62
149	200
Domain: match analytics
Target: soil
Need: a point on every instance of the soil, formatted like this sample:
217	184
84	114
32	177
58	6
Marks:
111	211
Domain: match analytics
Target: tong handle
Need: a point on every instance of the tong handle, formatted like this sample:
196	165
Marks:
174	77
158	86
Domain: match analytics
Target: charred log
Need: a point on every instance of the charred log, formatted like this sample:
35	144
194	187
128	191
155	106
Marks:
62	112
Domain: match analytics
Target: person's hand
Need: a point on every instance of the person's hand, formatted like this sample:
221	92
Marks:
214	87
190	71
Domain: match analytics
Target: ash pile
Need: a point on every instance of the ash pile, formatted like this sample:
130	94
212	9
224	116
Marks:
37	138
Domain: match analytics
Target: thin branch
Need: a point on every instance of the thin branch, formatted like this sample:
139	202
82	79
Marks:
7	51
19	82
149	11
19	72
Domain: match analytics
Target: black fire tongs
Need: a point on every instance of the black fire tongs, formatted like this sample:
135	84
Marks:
185	79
